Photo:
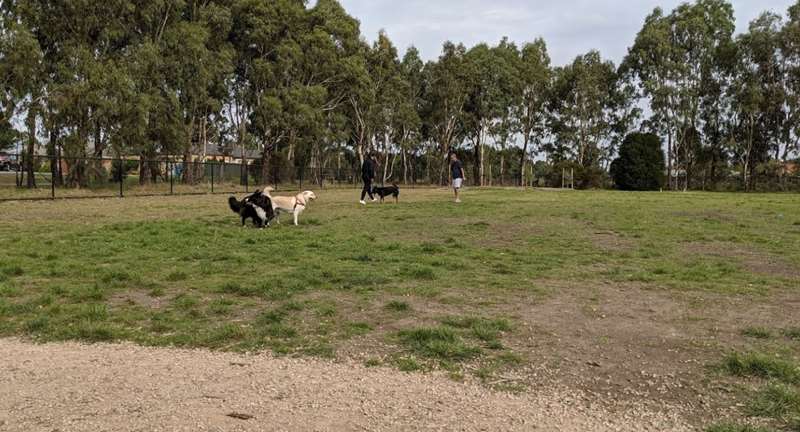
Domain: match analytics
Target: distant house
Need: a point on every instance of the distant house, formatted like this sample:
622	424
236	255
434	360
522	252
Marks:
790	168
216	153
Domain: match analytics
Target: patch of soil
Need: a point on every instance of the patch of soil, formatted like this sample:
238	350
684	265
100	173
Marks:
627	344
139	298
755	261
129	388
612	241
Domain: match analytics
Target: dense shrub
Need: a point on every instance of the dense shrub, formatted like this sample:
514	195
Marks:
640	165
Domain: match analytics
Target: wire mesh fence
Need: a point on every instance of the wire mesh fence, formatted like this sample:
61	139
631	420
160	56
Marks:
46	177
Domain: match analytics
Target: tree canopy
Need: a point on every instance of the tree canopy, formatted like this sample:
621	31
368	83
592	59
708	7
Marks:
300	86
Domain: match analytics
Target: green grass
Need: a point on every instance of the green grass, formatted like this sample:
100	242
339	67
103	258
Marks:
778	401
439	343
728	427
442	282
792	333
779	398
398	306
762	366
757	332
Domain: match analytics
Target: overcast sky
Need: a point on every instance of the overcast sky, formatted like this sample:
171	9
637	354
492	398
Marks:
570	27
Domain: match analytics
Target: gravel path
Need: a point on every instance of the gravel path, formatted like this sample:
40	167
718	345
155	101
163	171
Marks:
75	387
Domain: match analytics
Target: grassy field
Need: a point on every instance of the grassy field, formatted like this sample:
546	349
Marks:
686	299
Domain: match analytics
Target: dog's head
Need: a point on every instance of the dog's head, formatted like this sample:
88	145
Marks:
309	196
234	204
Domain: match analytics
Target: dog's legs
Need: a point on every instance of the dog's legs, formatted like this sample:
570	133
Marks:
296	213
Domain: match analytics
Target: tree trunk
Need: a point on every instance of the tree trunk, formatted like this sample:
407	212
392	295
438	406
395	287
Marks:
265	156
31	147
386	157
669	161
523	160
188	168
502	168
405	168
144	169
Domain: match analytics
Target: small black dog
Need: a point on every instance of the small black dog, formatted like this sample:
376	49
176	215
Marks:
383	192
257	207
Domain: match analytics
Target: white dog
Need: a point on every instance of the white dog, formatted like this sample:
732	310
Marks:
294	205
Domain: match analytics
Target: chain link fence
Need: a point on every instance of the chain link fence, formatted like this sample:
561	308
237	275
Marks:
46	177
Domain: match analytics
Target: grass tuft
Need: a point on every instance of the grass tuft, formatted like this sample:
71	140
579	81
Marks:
778	401
13	271
487	330
441	343
398	306
792	333
177	276
761	366
408	364
757	332
728	427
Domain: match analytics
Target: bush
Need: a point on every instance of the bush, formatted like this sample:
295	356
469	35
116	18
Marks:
120	172
640	165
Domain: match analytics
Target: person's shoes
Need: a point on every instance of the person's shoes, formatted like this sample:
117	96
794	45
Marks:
374	200
362	202
458	200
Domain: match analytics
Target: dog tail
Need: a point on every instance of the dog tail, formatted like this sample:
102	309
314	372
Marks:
235	205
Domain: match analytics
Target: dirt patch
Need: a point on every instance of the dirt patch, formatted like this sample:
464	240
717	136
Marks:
631	343
706	215
612	241
139	298
127	388
755	261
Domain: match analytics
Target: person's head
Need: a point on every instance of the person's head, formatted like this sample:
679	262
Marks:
453	157
372	155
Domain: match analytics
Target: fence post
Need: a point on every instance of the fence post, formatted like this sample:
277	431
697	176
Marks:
212	176
121	177
246	176
301	177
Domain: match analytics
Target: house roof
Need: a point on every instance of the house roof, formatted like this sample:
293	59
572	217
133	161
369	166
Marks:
212	149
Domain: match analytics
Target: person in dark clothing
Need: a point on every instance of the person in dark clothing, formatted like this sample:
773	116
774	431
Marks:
368	175
457	173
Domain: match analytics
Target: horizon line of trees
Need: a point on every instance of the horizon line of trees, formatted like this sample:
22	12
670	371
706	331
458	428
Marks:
302	87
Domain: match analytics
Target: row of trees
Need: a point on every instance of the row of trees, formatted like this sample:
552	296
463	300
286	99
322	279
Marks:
301	86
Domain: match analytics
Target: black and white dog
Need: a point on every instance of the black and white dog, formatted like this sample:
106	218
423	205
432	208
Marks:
257	207
386	191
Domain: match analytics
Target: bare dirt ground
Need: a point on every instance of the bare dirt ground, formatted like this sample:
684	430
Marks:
75	387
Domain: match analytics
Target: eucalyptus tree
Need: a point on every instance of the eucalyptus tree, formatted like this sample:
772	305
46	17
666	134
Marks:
410	107
506	126
790	48
446	95
535	74
490	90
673	59
583	112
197	61
23	77
390	89
759	96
